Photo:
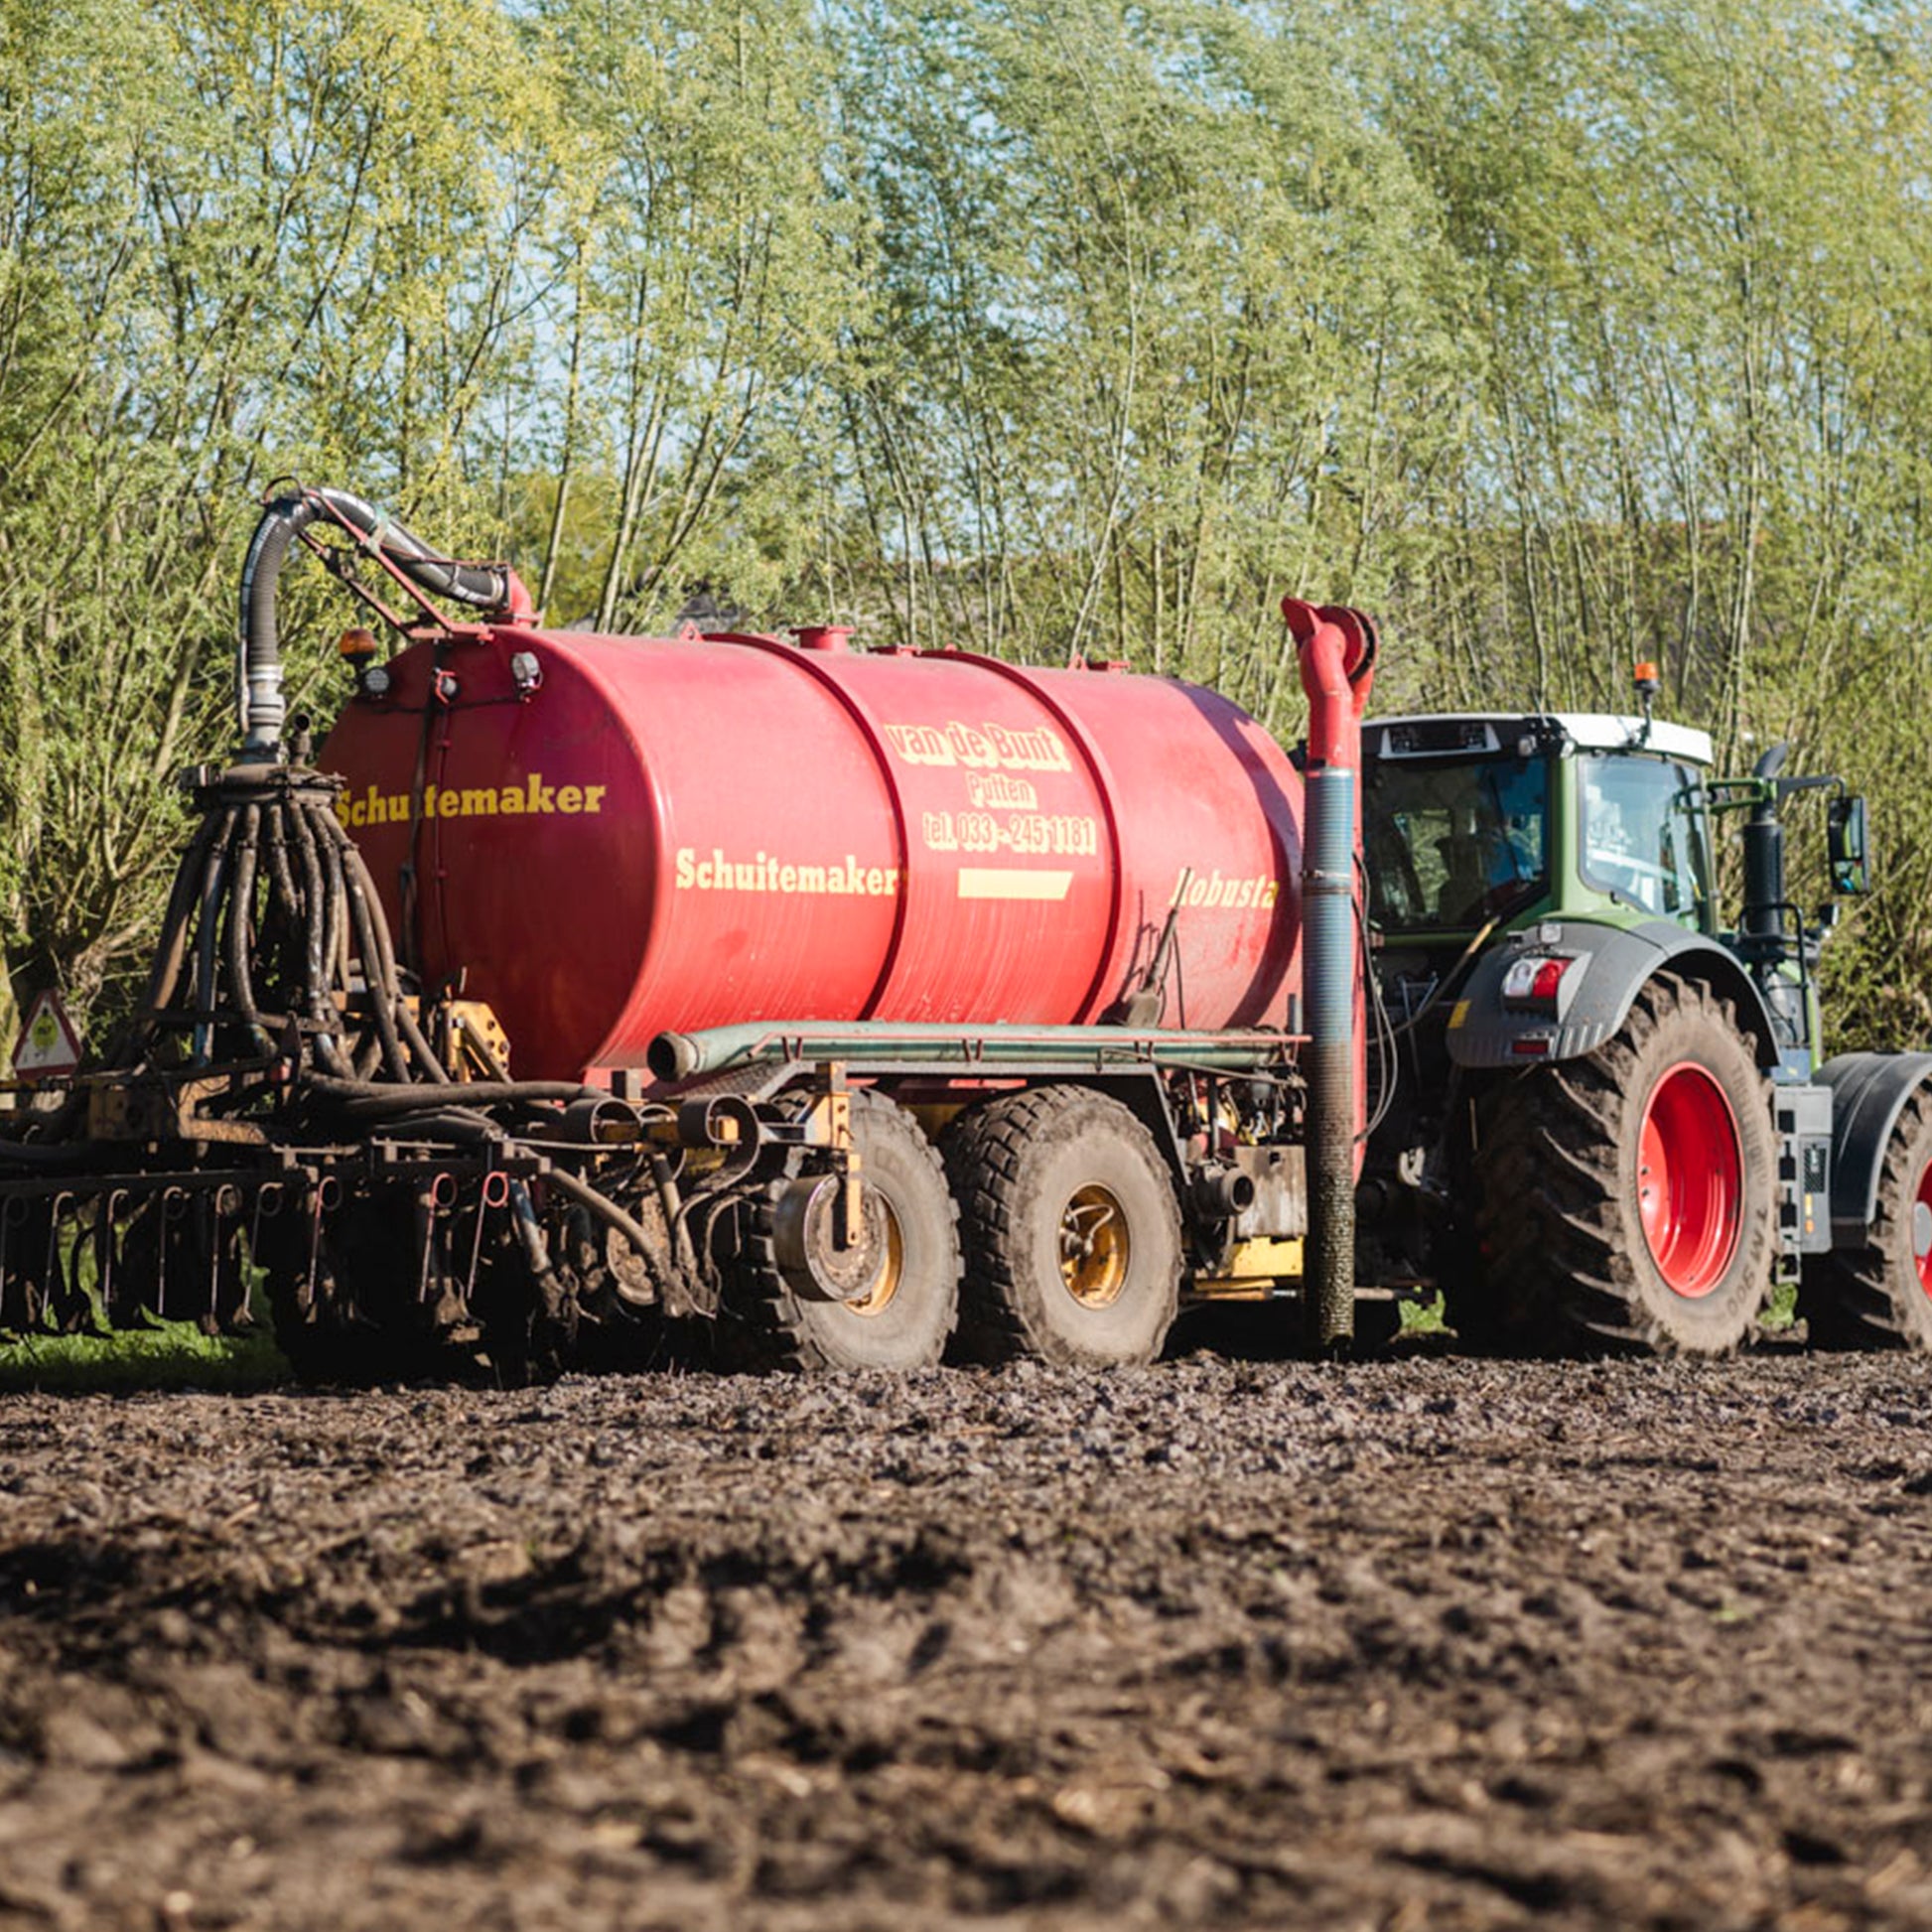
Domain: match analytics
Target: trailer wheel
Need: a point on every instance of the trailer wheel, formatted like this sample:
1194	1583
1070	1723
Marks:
1071	1231
1628	1200
1879	1295
905	1320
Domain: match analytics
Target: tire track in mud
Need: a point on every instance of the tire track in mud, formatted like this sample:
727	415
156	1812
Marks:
1415	1644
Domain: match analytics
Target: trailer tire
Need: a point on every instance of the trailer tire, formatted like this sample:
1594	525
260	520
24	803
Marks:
1879	1295
1628	1200
906	1324
1070	1227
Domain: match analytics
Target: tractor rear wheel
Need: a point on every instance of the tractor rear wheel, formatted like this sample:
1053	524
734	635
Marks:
1628	1200
1879	1295
906	1315
1071	1231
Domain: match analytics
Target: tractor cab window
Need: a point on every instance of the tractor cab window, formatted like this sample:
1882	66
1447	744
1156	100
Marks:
1449	845
1639	839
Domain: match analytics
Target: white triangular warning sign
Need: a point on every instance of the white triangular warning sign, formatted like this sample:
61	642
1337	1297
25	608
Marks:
48	1042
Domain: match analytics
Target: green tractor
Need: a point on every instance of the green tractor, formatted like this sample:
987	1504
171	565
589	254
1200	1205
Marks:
1603	1117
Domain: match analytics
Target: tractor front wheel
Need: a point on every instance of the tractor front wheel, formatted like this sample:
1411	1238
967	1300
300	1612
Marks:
1628	1200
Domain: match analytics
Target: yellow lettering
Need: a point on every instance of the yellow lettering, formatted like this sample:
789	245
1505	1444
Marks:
919	744
570	800
594	798
687	870
511	799
787	879
477	804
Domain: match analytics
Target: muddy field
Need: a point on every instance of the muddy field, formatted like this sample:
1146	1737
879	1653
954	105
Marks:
1416	1643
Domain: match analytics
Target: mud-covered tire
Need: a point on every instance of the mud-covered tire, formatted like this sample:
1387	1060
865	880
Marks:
1879	1295
907	1330
1043	1170
1627	1200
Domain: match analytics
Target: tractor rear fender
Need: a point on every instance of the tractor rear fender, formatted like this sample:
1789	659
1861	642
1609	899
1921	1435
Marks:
1503	1021
1868	1093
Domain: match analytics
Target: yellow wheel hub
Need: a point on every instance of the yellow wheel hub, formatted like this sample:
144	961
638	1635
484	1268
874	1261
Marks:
1095	1247
876	1298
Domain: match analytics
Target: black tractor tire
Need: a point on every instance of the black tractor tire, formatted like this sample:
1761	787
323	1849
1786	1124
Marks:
907	1328
1879	1295
1070	1227
1627	1200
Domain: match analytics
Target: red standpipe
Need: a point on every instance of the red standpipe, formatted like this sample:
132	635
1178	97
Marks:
1337	649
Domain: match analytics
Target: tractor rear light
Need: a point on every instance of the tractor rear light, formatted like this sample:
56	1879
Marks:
1549	976
375	681
1537	981
1532	1047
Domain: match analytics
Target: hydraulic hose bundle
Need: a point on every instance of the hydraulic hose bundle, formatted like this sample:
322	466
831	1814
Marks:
278	1106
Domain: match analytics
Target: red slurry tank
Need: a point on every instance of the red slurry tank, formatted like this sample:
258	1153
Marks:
619	836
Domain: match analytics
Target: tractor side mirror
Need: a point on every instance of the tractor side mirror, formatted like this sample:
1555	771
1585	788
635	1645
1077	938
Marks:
1845	840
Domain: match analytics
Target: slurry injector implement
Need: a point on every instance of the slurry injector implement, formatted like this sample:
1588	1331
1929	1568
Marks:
584	990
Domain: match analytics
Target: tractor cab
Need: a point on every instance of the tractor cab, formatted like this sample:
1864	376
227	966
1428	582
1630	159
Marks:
1479	821
1492	832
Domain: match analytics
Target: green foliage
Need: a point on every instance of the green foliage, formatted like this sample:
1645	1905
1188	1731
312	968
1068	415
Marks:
174	1355
1561	335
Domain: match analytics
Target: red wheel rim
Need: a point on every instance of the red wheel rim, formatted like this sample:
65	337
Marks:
1922	1230
1691	1180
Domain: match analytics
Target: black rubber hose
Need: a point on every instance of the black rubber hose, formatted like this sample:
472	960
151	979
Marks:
207	930
321	926
284	931
477	584
361	886
316	960
335	938
447	1124
358	872
172	952
280	873
238	913
260	703
38	1154
377	990
604	1208
364	899
373	1099
372	943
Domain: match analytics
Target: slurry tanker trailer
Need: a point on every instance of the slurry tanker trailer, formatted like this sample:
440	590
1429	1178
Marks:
860	1008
